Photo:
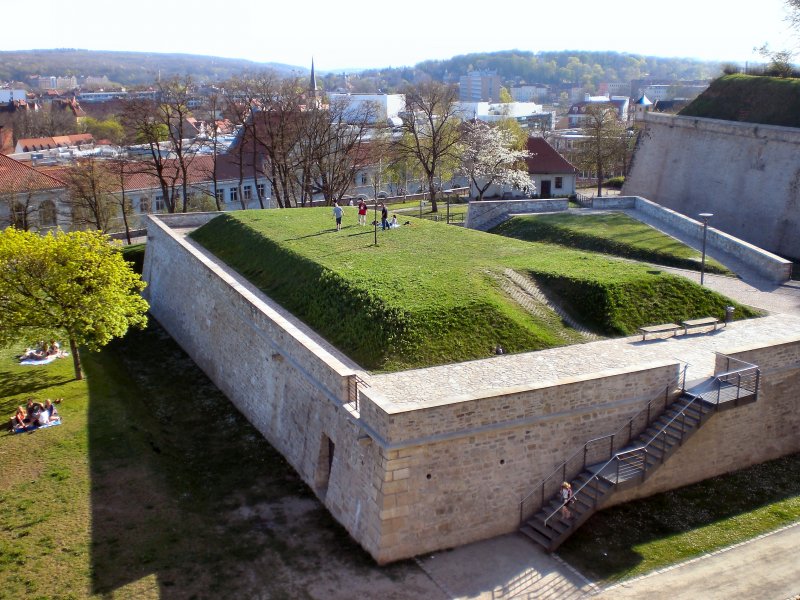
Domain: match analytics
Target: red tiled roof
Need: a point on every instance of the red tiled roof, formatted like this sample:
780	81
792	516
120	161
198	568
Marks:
545	159
19	177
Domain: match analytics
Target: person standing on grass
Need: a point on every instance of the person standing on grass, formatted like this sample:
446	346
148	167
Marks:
384	217
362	212
338	211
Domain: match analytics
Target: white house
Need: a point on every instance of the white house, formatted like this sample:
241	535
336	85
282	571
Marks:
389	106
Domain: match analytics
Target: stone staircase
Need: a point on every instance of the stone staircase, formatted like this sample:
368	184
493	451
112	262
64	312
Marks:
641	454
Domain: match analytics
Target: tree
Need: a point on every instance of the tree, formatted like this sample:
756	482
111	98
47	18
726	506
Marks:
606	145
76	284
91	186
108	129
430	131
489	158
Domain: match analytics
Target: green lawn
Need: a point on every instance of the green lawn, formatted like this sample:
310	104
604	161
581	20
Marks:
611	233
645	535
156	487
428	294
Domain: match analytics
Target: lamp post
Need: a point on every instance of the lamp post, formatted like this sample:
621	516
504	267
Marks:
705	217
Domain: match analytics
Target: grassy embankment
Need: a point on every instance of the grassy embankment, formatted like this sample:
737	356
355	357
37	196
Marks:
749	98
425	295
609	233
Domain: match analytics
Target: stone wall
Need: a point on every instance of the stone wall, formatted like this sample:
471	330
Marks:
738	437
456	472
769	266
486	214
748	175
404	479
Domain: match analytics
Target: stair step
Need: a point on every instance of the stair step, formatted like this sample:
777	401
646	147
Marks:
554	528
692	419
536	536
659	434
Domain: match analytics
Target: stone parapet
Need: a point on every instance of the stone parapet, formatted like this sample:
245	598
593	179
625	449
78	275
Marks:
485	214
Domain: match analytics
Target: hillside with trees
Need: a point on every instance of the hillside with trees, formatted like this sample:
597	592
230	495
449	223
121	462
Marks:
126	68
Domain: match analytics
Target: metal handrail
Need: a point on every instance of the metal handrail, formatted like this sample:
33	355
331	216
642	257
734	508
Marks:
715	382
679	381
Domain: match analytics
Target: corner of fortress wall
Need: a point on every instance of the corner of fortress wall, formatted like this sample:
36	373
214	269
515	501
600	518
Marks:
746	174
405	481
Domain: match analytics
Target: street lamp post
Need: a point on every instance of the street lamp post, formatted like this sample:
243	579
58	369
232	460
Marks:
705	217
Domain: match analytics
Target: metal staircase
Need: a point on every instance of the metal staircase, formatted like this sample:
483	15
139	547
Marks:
629	456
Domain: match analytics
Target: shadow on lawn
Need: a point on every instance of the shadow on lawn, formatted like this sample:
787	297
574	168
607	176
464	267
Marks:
31	381
181	481
605	548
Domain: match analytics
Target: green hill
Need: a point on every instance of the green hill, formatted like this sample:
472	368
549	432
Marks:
426	294
751	99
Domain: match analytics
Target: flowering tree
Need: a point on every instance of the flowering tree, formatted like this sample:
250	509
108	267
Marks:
489	158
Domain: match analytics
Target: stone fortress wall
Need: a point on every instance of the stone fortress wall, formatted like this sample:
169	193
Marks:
437	470
746	174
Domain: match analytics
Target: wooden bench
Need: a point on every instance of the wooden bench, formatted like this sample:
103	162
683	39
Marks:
697	323
665	328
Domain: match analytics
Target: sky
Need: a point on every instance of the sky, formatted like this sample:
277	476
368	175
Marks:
360	34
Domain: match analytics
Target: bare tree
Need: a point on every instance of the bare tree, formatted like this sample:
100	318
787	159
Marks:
334	146
606	145
91	190
430	131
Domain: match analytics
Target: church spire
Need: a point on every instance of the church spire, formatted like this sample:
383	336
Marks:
313	83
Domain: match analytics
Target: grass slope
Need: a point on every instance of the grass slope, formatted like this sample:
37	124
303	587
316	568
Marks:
753	99
423	295
609	233
156	487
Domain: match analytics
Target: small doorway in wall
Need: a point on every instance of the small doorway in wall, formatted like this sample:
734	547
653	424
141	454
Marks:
545	192
324	464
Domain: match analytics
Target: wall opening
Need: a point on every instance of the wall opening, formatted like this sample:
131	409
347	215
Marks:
324	464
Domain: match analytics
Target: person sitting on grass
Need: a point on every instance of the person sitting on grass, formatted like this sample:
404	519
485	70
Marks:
18	420
393	223
53	348
50	409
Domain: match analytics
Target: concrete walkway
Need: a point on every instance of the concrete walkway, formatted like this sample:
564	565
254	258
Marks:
767	568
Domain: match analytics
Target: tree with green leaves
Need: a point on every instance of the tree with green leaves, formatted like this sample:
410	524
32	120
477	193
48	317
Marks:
73	284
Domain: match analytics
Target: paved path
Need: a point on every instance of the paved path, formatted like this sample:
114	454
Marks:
767	568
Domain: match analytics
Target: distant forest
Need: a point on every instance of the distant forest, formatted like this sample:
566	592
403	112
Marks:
125	68
577	68
573	67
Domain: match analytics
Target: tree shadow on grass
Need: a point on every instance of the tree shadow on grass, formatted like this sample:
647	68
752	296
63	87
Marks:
610	545
182	486
26	380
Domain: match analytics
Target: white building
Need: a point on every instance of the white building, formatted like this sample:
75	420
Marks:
388	106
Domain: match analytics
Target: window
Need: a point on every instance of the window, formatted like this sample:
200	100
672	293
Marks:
159	204
260	188
220	195
47	213
144	205
233	195
559	182
247	192
363	179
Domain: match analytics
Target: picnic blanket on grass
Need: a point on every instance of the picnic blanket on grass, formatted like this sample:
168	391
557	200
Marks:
43	361
53	422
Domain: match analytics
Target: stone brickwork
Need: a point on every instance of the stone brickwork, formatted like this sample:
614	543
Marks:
742	436
438	457
746	174
486	214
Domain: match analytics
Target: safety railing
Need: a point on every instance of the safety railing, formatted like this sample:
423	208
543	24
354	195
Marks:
632	463
353	381
602	448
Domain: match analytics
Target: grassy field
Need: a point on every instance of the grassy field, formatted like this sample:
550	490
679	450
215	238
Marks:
641	536
156	487
610	233
428	293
